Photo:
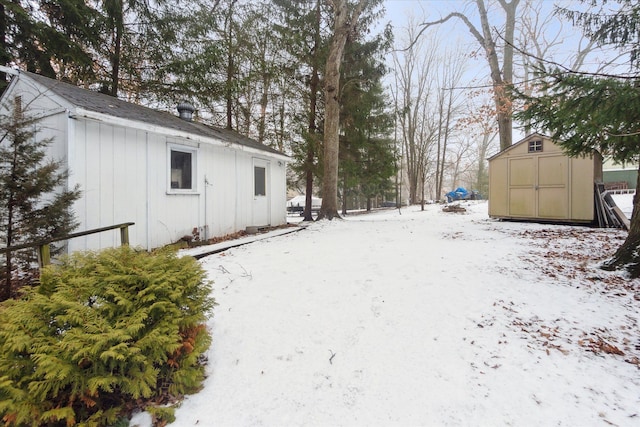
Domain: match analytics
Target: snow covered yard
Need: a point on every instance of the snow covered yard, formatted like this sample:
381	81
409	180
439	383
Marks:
421	318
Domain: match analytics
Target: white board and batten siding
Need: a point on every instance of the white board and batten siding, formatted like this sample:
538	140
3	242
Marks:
123	169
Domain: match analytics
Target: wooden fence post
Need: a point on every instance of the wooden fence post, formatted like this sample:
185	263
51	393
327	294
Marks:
124	235
44	255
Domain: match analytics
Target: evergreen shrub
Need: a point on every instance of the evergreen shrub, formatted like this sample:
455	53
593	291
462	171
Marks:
102	334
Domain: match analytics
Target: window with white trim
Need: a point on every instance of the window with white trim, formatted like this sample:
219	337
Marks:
182	169
260	181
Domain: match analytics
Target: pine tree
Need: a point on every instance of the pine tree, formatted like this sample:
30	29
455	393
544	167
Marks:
53	37
33	202
302	34
366	151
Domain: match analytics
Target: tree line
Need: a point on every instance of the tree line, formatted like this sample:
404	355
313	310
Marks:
257	67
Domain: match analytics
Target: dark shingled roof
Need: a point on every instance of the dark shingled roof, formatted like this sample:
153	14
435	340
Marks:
101	103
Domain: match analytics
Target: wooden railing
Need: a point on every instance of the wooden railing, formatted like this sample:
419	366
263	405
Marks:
44	248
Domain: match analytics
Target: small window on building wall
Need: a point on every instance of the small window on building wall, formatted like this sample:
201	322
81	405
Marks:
182	169
535	146
260	181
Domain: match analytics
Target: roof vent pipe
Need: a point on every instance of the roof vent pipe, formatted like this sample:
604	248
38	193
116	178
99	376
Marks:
186	110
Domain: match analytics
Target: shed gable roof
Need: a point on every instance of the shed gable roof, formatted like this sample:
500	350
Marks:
108	105
527	138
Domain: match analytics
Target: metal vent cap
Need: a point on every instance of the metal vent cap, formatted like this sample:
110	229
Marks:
186	110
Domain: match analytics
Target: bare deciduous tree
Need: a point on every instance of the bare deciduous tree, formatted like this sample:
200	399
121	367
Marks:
412	92
501	77
451	71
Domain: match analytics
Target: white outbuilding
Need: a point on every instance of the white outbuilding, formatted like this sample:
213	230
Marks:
170	175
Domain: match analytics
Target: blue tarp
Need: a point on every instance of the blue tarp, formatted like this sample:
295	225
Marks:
459	193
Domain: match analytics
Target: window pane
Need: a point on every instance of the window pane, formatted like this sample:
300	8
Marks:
535	146
260	184
181	170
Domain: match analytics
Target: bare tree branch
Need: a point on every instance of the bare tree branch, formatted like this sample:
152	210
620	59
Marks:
570	70
426	25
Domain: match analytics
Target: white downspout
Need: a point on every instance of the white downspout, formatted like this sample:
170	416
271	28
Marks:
206	226
71	160
147	208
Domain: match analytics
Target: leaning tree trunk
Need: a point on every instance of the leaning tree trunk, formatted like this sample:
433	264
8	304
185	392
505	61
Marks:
628	255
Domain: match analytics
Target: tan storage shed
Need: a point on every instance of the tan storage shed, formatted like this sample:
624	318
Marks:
534	180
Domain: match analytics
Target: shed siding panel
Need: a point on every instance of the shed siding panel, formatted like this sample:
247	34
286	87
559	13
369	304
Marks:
244	188
553	203
522	172
553	170
278	193
156	187
109	139
521	202
111	170
132	181
498	179
522	179
221	194
92	179
78	167
582	191
54	128
553	187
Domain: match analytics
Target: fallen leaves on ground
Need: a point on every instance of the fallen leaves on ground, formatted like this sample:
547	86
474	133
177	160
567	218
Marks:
571	256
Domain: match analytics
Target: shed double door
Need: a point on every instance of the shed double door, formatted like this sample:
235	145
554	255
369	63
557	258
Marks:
539	187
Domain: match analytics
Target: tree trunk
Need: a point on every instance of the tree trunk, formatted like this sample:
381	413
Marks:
344	194
628	255
116	58
314	82
229	90
329	207
309	186
344	25
422	198
499	78
230	66
439	164
264	100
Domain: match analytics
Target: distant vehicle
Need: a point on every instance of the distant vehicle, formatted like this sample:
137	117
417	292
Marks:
297	204
388	204
461	193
